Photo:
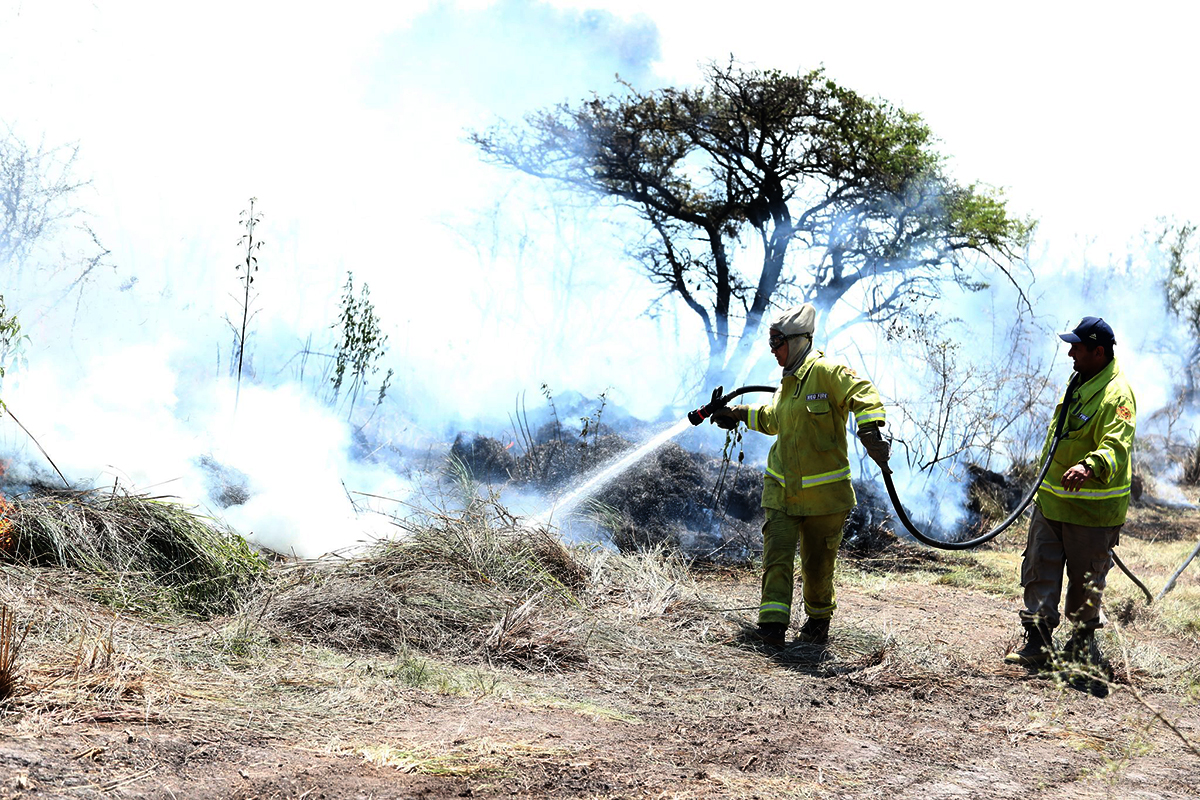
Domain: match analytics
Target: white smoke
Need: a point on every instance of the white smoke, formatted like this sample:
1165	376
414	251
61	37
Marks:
349	128
350	131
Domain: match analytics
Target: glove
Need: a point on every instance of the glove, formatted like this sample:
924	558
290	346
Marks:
876	446
728	418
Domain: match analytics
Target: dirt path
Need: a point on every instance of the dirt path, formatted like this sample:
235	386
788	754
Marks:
911	701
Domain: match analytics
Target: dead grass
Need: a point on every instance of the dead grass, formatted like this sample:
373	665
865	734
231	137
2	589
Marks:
481	758
875	658
148	553
1176	614
332	653
445	610
480	586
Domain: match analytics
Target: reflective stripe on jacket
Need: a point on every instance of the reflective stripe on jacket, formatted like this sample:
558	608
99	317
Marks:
1101	420
808	468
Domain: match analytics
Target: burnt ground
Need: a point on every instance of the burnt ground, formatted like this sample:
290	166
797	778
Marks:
706	507
911	699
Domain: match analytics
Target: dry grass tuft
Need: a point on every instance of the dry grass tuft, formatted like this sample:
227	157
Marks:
526	637
482	586
136	543
460	586
344	610
875	659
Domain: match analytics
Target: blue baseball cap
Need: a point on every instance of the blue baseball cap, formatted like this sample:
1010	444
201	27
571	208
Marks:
1092	331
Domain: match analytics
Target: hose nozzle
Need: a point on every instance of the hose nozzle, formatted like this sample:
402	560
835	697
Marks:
705	411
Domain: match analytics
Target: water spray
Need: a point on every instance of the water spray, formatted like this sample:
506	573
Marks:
719	401
567	503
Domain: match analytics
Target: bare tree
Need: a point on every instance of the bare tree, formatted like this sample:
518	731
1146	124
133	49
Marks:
39	206
989	406
1180	246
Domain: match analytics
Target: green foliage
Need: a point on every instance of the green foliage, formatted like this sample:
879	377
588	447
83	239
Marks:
11	337
363	344
1182	285
977	216
410	669
797	161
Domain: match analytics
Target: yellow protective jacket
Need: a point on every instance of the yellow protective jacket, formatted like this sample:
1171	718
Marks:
808	468
1101	419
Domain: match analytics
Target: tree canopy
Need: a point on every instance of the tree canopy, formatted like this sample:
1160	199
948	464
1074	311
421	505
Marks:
851	188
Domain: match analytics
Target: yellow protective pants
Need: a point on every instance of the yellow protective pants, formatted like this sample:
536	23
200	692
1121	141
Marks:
818	538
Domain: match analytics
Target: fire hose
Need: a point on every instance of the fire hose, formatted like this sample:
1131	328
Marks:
720	400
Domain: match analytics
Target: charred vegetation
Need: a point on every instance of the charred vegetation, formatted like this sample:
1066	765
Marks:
707	509
992	496
484	457
669	498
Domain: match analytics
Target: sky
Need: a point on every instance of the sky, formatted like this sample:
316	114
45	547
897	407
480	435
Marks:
1081	111
349	127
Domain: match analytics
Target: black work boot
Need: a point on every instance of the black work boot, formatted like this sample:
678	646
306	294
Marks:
815	631
771	634
1036	650
1082	648
1085	667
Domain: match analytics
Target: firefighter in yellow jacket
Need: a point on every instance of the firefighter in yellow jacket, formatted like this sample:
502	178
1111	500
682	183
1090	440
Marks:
1081	505
806	489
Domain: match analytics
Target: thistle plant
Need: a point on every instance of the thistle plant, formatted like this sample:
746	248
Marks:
10	337
363	343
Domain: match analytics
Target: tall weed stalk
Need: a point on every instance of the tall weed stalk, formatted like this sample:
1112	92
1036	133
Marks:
247	269
10	652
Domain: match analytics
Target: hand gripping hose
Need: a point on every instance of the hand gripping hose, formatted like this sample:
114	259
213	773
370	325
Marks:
719	401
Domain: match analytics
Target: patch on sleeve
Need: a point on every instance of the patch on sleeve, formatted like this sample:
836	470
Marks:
850	372
1124	413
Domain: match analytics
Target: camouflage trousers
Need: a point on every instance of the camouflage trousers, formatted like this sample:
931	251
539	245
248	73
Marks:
818	538
1085	552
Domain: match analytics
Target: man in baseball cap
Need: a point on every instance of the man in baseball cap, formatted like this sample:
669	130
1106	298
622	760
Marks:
1092	331
1082	502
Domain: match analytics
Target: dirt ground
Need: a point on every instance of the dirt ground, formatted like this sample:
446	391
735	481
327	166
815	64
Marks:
911	699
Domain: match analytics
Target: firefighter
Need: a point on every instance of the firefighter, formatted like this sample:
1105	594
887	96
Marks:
806	489
1081	505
